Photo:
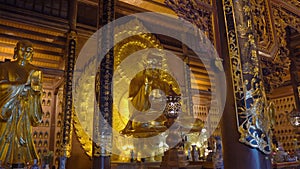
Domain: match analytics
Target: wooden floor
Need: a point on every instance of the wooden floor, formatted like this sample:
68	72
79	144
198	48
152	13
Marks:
150	165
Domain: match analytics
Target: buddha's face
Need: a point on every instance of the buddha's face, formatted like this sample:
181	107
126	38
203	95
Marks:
154	66
24	51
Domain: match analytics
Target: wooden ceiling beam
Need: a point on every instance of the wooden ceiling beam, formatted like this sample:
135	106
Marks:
32	40
201	83
52	72
43	60
201	92
48	52
20	15
47	60
200	87
44	35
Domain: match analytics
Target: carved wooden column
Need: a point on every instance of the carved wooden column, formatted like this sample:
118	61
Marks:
294	48
67	126
102	133
245	139
294	54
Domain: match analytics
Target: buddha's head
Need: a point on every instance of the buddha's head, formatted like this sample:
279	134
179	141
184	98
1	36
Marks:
24	51
153	64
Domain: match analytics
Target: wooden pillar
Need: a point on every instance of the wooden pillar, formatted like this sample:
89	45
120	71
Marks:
67	93
294	54
238	51
294	48
102	133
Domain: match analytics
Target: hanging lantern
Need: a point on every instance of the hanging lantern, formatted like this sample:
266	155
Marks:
294	118
173	105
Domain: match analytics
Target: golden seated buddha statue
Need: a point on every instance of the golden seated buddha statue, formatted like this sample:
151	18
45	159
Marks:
147	100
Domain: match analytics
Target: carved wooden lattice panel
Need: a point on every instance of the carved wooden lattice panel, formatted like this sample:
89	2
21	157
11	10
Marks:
57	130
51	123
284	132
41	134
211	116
214	119
200	112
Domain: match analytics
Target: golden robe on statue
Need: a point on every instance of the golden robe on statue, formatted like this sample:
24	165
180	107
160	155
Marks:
141	87
20	106
146	104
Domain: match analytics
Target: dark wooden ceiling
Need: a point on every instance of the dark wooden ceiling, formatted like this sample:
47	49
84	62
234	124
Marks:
45	23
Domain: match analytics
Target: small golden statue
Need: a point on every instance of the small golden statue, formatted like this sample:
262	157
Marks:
20	105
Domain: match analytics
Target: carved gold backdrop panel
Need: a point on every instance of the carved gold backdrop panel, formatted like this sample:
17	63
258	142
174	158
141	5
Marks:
124	49
131	57
84	102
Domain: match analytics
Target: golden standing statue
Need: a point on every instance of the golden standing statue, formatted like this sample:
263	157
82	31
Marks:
20	105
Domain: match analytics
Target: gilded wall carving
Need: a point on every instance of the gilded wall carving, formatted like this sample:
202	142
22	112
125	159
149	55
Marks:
252	109
294	3
196	14
263	26
206	1
276	68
